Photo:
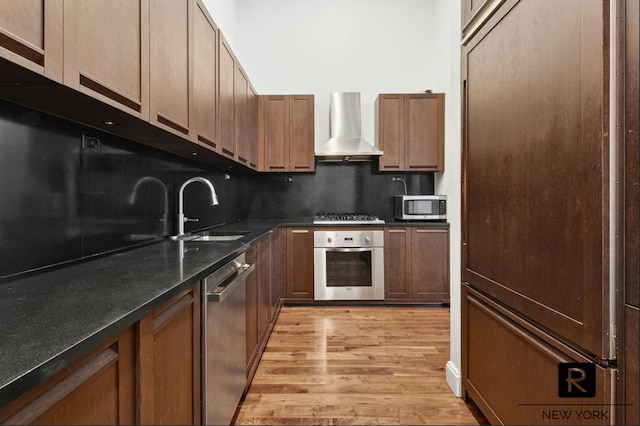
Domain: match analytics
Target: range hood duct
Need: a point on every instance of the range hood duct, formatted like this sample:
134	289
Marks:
346	143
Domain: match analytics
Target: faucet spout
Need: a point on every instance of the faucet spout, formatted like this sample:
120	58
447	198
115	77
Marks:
181	217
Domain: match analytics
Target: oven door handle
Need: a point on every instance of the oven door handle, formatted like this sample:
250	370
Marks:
349	250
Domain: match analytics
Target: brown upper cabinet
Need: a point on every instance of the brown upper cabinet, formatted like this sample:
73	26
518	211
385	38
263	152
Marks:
471	8
475	13
171	65
226	93
205	77
31	35
236	108
410	131
106	52
245	119
160	69
286	133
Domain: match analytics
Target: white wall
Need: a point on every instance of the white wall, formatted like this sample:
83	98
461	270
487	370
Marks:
449	182
366	46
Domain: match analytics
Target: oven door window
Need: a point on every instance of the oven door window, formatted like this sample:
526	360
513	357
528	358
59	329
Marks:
348	268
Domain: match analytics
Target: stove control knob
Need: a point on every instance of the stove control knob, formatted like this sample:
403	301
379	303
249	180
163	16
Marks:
330	240
367	239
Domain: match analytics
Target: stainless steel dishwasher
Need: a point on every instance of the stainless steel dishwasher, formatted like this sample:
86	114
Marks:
224	373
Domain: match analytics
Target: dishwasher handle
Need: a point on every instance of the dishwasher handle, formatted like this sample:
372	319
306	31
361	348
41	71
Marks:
226	287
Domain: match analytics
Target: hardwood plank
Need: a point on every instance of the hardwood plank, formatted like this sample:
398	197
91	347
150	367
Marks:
356	365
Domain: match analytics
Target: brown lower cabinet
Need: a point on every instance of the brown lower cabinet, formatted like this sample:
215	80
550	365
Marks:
631	378
262	305
147	374
100	388
512	370
169	362
299	264
416	264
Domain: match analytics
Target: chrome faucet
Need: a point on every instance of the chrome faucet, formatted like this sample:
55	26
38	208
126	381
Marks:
181	217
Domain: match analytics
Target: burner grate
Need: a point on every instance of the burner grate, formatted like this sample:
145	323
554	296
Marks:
338	218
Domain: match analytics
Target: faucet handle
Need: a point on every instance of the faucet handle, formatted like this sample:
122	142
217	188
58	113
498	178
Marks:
186	219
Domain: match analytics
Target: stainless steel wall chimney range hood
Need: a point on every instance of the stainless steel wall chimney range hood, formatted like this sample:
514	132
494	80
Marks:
346	143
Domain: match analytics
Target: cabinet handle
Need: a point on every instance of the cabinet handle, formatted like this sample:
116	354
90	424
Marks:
170	123
171	311
102	88
299	231
21	47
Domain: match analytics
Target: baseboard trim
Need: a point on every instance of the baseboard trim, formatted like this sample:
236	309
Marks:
454	379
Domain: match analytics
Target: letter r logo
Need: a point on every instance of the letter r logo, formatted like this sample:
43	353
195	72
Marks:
576	380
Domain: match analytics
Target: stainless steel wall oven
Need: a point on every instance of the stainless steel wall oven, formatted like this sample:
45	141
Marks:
349	265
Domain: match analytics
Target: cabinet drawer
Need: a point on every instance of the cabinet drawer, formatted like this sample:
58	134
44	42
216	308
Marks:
514	375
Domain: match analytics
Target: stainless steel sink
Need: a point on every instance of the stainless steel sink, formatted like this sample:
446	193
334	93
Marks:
218	237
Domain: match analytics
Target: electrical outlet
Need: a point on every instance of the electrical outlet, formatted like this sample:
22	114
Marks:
91	142
288	179
394	178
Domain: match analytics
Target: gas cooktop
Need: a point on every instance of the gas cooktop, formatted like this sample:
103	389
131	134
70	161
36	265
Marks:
346	219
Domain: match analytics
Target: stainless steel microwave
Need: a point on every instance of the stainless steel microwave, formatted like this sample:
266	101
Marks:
421	207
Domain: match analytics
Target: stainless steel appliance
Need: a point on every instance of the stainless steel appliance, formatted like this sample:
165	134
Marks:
346	219
346	143
420	207
348	265
224	341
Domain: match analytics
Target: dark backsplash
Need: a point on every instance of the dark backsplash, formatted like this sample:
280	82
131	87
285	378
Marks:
63	200
334	187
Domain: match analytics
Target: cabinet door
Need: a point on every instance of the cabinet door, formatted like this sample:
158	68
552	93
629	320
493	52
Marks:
300	263
252	127
632	152
205	77
631	367
226	93
430	265
498	346
520	158
274	131
470	8
263	267
97	389
106	52
276	272
241	105
424	132
169	362
301	133
171	65
390	131
31	35
251	284
397	263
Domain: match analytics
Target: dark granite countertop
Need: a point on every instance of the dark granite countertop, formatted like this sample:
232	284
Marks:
49	320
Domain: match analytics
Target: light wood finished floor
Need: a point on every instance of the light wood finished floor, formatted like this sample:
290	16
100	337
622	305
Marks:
356	365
